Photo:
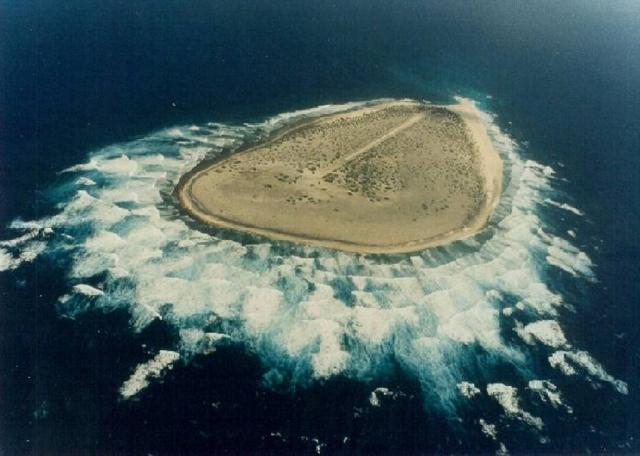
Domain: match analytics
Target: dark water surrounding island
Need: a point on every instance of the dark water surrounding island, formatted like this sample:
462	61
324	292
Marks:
563	78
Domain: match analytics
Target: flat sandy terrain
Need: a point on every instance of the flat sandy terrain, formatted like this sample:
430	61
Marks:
393	177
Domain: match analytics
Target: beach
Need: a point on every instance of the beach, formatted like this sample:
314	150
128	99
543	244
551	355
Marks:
391	177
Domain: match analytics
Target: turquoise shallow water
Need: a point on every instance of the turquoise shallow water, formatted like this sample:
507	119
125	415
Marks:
127	96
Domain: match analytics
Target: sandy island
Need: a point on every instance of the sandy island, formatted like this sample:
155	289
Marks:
393	177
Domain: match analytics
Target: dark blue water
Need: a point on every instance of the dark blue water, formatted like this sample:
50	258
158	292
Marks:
563	78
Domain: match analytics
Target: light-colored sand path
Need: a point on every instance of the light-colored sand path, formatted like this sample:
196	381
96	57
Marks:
347	158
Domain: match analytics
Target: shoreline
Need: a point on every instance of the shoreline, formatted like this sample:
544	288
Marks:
490	161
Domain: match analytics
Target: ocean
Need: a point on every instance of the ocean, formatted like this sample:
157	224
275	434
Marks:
126	328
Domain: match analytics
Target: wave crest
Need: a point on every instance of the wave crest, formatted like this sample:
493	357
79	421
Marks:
445	315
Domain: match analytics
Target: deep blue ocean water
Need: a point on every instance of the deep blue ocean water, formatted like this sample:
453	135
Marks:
561	77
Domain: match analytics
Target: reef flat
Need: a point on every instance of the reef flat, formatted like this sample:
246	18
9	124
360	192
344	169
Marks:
390	177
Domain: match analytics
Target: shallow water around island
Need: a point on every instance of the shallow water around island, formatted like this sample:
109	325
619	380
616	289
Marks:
472	331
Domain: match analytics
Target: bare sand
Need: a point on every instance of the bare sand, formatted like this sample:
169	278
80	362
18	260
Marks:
393	177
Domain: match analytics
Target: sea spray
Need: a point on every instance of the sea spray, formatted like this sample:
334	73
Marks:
447	316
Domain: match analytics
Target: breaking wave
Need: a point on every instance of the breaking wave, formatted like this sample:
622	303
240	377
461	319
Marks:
446	316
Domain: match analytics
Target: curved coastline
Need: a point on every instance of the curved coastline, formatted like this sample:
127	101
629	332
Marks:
490	164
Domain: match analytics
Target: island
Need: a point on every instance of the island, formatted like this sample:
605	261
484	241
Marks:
389	177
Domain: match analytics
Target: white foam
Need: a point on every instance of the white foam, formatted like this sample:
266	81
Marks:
196	341
24	248
564	206
547	332
558	361
491	431
310	313
21	239
376	394
85	181
145	372
507	311
564	255
507	397
488	429
105	241
7	261
30	252
468	389
174	133
87	290
568	362
374	325
260	307
548	392
19	224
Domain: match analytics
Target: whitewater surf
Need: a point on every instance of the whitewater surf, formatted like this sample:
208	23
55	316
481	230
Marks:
448	316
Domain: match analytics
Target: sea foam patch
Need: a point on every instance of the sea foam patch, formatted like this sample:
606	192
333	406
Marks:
313	313
153	368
